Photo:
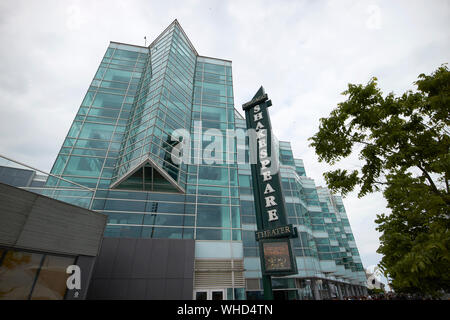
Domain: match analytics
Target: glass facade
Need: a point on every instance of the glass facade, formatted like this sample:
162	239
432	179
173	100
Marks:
121	144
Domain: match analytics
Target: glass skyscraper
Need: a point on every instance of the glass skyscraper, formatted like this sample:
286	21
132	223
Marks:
120	147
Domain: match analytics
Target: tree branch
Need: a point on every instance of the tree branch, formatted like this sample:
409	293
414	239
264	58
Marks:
383	183
446	181
425	173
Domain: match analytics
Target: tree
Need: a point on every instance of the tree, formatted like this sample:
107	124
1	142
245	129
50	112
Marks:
404	145
375	291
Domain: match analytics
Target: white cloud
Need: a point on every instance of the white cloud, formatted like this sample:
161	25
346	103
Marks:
374	19
74	18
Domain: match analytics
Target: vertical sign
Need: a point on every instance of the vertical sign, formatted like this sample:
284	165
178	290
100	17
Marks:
273	232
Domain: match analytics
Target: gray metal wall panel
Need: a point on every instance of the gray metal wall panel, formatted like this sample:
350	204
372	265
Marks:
61	228
36	222
174	289
123	263
15	206
136	289
142	259
144	269
156	288
188	285
160	253
118	289
175	265
105	260
98	288
189	257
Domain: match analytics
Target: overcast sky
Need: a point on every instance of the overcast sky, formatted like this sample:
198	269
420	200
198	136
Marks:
304	53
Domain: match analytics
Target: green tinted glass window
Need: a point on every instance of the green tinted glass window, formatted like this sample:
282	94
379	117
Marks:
108	100
213	175
117	75
83	166
213	234
214	68
213	216
125	54
96	131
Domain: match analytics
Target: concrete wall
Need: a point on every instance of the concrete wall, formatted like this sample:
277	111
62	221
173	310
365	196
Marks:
144	269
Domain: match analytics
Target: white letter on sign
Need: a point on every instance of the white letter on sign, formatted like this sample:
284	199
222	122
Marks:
268	189
270	201
266	175
257	116
272	215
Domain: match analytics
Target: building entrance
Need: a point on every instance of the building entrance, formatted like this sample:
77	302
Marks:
210	294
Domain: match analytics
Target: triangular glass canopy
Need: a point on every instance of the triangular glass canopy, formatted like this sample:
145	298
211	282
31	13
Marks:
148	177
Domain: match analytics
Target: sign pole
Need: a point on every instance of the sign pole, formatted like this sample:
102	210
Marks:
273	232
266	279
267	285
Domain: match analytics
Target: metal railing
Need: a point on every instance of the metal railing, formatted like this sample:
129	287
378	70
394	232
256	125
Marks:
74	193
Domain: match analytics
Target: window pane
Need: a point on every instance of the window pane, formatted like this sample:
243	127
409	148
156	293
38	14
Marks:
51	283
214	114
157	232
125	54
97	131
202	295
169	220
124	218
123	205
213	234
108	100
236	217
17	274
117	75
84	166
103	112
213	191
213	216
217	295
213	175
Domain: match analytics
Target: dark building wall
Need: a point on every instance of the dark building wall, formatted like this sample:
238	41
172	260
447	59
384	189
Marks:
153	269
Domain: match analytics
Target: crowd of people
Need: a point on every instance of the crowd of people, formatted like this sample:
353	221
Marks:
389	296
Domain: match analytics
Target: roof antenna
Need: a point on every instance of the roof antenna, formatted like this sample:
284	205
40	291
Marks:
145	38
